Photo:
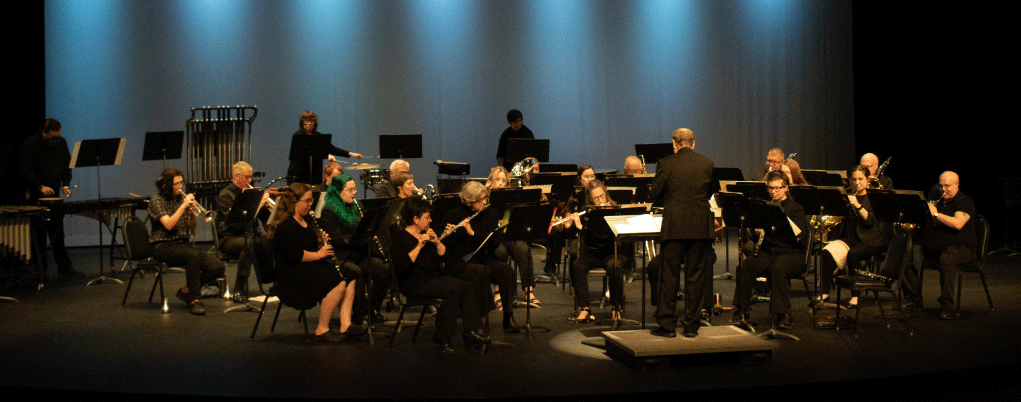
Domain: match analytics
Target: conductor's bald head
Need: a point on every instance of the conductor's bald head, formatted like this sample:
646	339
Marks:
683	138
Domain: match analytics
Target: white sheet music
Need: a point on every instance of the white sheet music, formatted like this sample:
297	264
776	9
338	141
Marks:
640	224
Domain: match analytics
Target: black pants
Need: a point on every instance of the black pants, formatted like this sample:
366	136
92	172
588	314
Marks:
585	263
782	265
522	255
380	283
698	276
240	247
459	299
946	262
494	272
200	267
52	230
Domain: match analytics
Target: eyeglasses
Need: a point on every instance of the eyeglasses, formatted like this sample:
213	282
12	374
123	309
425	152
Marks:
306	200
772	188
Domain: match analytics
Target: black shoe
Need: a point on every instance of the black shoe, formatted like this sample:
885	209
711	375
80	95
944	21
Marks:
444	343
473	340
185	297
666	333
691	331
784	321
946	313
911	304
706	318
330	336
377	318
736	318
197	308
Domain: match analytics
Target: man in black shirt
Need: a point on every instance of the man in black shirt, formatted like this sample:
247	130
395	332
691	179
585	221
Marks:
516	130
45	163
234	239
949	243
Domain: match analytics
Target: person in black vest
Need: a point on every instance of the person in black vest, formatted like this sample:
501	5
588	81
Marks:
682	182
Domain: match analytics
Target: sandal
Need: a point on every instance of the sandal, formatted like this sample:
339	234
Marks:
535	302
498	301
583	320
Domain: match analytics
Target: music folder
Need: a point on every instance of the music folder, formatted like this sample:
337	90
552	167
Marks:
245	207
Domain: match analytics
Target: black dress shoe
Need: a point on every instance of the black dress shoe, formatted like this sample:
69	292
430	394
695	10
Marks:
473	340
666	333
240	295
946	313
377	318
784	321
736	318
197	308
330	336
911	305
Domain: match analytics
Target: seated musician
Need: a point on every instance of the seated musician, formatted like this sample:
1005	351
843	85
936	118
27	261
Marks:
863	237
332	169
466	228
340	217
518	250
778	259
947	244
233	239
389	189
792	169
174	221
871	161
596	252
774	161
562	233
306	267
415	254
632	165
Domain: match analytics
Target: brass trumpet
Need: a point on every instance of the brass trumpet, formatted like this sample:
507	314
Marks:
199	210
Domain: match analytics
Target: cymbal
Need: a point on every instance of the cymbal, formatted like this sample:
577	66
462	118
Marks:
363	166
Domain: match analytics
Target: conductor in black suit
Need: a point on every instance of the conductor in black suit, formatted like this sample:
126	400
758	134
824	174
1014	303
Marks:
682	182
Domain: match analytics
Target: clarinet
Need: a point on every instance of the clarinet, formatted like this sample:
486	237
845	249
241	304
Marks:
872	275
453	229
322	241
758	244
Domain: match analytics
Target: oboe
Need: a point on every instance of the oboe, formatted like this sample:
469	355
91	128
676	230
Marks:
453	229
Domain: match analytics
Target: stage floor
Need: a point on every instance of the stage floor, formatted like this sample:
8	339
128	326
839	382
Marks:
70	338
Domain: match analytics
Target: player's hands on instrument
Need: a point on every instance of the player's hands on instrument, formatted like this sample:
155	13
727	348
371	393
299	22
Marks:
356	155
431	236
46	191
325	251
468	227
932	209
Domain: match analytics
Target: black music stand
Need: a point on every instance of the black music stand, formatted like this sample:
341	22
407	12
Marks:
311	148
769	216
599	226
751	189
365	236
501	199
626	232
523	218
400	146
654	152
163	145
242	214
558	168
561	184
520	148
98	153
733	207
834	178
725	174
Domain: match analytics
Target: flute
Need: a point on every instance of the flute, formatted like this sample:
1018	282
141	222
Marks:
453	229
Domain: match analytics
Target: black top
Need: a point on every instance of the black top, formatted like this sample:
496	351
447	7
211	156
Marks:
412	274
45	162
939	237
869	231
340	236
298	171
501	150
682	182
796	213
459	243
224	203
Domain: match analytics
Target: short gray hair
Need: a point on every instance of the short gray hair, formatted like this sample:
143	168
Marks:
240	168
472	191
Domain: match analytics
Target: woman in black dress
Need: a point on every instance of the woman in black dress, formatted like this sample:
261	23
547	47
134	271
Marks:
301	170
415	253
305	266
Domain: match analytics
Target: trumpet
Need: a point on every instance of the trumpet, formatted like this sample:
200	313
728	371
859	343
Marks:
199	210
272	204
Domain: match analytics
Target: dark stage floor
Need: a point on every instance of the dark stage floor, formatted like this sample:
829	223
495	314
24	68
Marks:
71	338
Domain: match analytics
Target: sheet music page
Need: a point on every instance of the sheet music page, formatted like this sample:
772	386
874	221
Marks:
640	224
794	227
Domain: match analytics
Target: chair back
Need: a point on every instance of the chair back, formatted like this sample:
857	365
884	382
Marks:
136	239
265	266
896	258
982	234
